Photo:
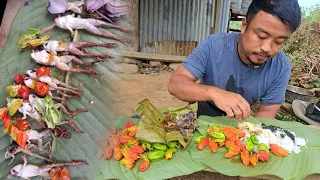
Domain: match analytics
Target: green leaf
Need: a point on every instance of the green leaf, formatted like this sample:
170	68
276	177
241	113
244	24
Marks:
294	166
151	125
99	90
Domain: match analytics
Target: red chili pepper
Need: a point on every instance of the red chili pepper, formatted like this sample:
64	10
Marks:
42	89
128	124
24	92
263	156
19	78
43	71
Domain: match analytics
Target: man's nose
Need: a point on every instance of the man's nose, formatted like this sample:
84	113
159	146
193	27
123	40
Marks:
266	46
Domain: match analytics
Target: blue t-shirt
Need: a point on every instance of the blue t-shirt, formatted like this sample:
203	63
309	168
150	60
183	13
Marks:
216	62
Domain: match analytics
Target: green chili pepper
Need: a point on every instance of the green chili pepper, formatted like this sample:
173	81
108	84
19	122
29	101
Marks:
172	144
215	126
156	155
147	146
249	144
219	140
218	135
254	139
199	138
263	147
161	147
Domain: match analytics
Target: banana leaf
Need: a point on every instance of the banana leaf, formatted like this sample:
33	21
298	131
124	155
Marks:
294	166
99	90
180	164
151	125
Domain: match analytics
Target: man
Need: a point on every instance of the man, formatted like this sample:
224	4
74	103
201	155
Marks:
238	69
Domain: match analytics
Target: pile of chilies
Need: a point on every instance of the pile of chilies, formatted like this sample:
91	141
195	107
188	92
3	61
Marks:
232	139
39	97
128	150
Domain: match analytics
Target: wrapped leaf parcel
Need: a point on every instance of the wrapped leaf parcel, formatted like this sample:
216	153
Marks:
151	125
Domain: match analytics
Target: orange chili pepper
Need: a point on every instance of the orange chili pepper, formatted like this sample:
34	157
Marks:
245	157
213	146
117	155
254	159
128	153
233	150
16	134
221	144
128	162
203	143
240	145
278	150
144	164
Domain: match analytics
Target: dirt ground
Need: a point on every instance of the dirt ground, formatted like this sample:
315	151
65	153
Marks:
133	88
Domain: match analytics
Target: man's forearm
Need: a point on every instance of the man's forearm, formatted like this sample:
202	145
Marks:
188	90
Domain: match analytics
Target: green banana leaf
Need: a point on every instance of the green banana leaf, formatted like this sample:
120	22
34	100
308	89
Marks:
180	164
99	90
294	166
151	125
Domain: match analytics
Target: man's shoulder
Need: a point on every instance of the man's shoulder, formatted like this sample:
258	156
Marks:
226	37
281	59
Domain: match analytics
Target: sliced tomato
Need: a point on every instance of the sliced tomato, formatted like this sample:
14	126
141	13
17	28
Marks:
24	92
19	78
43	71
42	89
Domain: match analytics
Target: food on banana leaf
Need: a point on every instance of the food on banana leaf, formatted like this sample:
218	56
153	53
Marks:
124	147
252	142
185	123
268	134
157	127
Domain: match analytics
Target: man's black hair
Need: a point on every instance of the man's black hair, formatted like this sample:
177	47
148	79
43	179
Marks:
288	11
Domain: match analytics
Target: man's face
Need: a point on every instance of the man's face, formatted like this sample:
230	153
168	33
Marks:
263	37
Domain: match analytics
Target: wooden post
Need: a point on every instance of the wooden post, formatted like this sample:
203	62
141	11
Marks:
217	15
134	21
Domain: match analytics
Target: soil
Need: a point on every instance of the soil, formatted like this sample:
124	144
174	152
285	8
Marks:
133	88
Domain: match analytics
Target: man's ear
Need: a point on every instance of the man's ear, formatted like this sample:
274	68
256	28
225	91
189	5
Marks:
244	25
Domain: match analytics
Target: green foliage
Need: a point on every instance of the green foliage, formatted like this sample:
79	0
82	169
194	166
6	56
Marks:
235	25
315	82
303	46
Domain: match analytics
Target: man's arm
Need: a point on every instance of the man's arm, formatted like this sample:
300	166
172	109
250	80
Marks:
268	111
182	85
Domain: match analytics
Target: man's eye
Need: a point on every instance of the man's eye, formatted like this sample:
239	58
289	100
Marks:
260	37
279	43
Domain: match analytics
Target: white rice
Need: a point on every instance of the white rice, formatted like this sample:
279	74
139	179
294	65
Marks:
279	138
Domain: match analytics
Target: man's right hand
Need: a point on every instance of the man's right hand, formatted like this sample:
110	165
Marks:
233	104
183	86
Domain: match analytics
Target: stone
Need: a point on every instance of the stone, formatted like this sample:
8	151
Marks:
127	68
131	61
316	91
174	66
155	63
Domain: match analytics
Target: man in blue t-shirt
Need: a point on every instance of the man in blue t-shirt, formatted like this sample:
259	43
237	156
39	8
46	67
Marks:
238	69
